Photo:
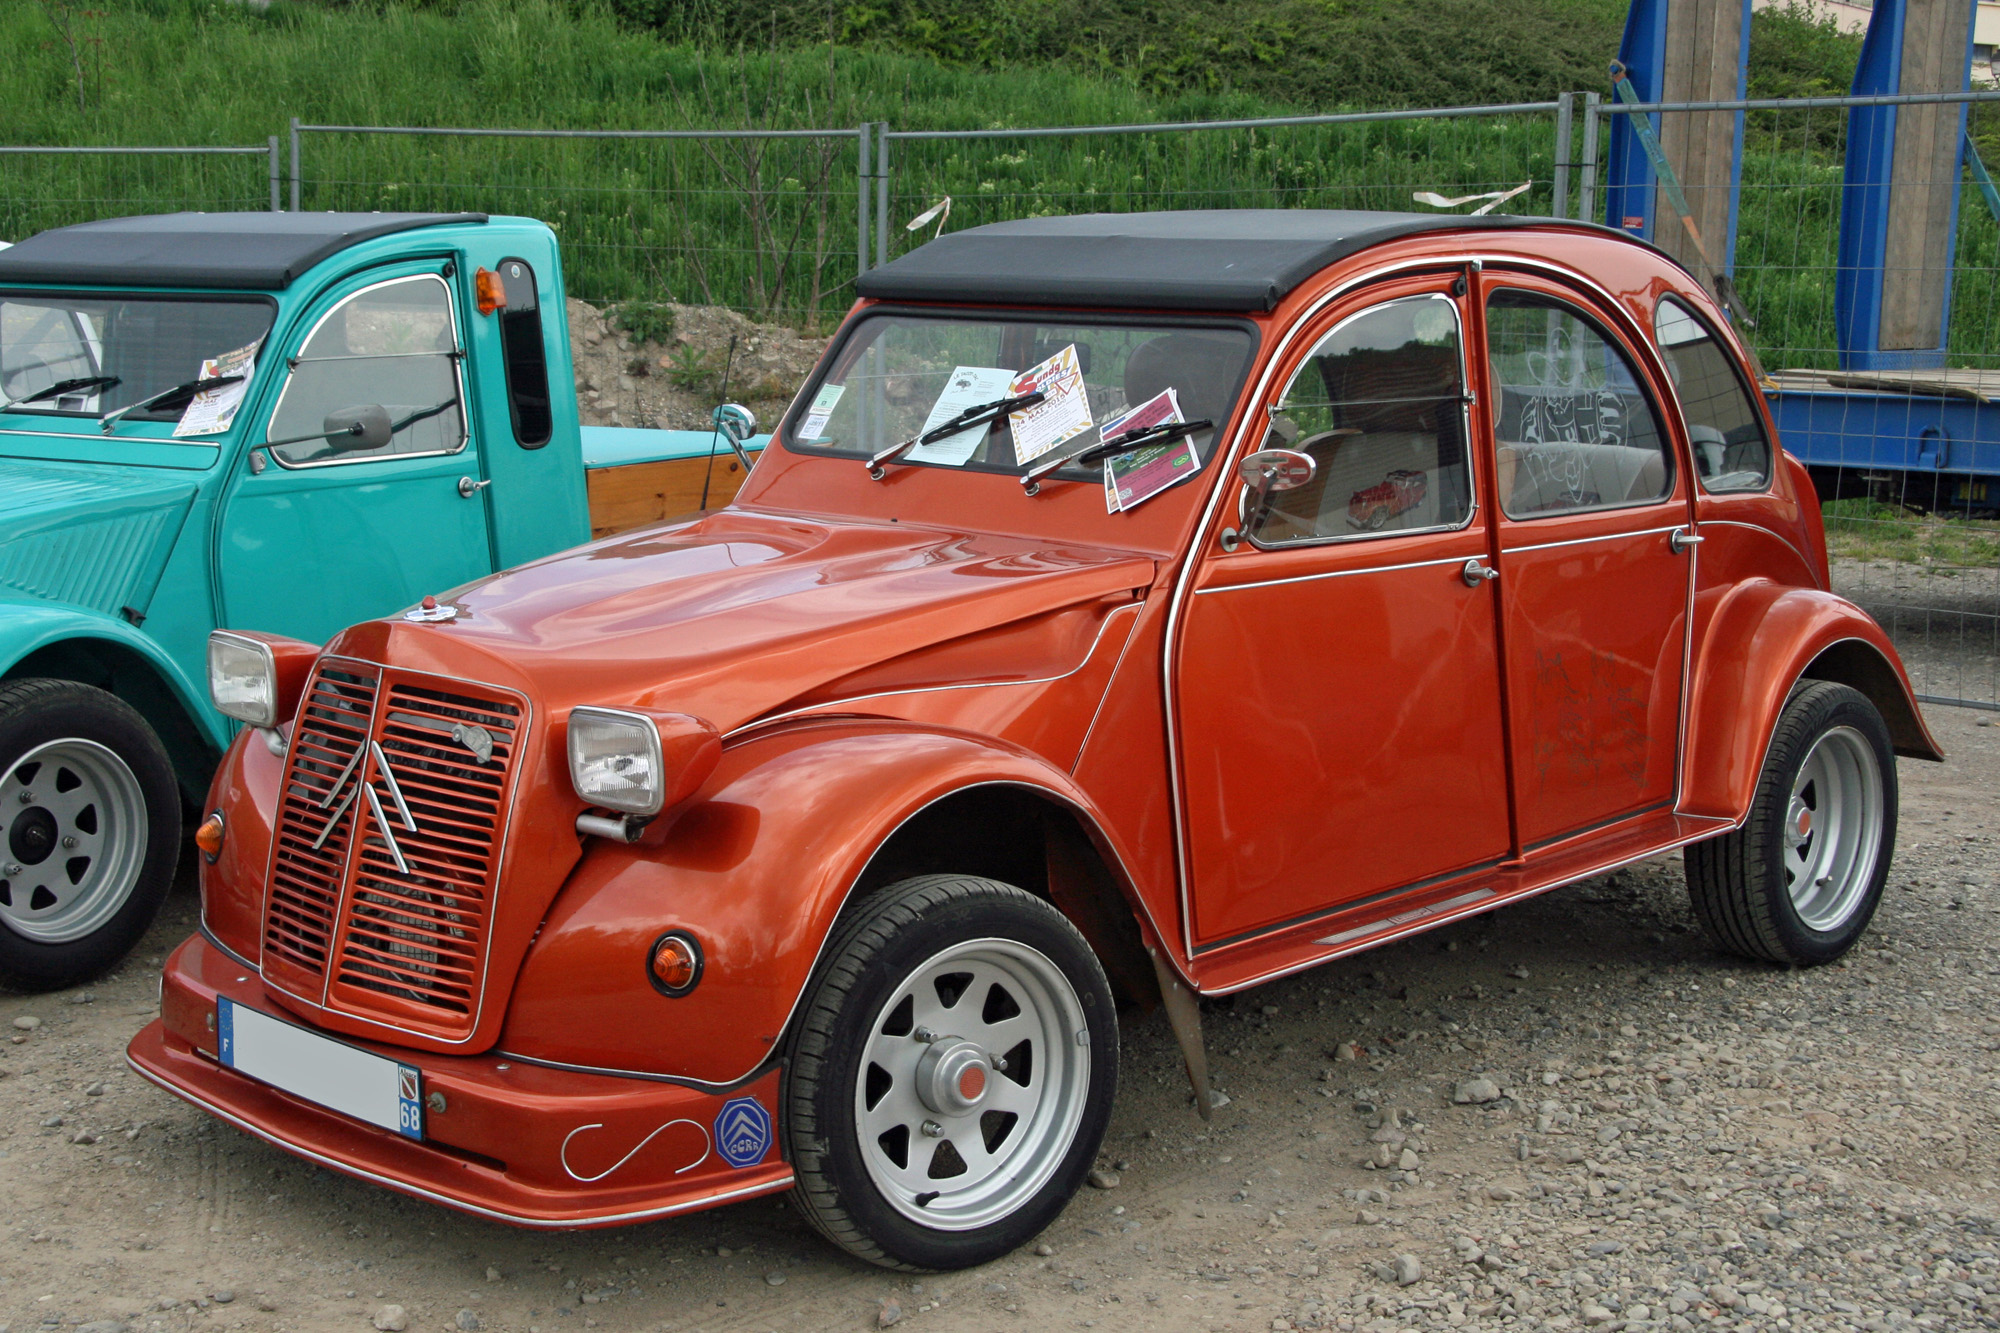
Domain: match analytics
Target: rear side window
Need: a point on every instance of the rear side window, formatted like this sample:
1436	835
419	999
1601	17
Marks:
527	358
1731	452
1575	428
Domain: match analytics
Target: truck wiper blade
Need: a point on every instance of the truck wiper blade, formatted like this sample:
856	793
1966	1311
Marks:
178	392
59	388
978	414
1123	443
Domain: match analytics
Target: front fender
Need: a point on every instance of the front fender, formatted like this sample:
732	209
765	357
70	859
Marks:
29	626
756	868
1759	643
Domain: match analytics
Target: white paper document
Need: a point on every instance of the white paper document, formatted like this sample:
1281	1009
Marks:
969	386
211	412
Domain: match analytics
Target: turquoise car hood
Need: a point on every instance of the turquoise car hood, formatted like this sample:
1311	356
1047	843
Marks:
95	537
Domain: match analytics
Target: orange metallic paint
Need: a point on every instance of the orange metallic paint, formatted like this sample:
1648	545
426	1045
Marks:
868	649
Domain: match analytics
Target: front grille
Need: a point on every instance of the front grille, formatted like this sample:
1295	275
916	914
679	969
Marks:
388	918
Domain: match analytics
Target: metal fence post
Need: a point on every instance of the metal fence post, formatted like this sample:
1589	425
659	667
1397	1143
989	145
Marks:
295	164
882	192
277	204
1586	195
862	171
1559	204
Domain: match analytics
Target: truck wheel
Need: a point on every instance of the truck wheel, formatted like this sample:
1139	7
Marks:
90	827
952	1074
1799	882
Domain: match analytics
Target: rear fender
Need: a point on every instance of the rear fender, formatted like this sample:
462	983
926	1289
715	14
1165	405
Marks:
1761	642
58	642
757	867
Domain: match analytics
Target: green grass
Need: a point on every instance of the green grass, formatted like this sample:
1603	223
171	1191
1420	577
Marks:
1874	530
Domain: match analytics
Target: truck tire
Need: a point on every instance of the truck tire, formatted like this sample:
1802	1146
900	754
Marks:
1800	881
951	1074
90	831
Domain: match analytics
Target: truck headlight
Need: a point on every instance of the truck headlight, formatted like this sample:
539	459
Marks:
257	678
639	762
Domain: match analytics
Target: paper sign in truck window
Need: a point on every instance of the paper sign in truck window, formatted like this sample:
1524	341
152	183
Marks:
211	412
969	386
822	407
1063	415
1132	479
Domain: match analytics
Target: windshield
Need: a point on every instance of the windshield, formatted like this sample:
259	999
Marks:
902	376
125	348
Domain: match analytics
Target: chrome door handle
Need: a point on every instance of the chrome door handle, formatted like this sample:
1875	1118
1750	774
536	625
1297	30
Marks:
1475	573
1682	539
467	487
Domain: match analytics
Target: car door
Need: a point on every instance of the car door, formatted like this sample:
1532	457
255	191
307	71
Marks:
1337	691
314	536
1594	572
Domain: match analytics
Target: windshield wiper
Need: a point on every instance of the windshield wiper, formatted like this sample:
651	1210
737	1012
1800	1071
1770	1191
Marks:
1124	443
59	388
179	391
978	414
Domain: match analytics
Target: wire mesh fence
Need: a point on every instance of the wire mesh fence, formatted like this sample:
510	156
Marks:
43	187
1867	257
762	221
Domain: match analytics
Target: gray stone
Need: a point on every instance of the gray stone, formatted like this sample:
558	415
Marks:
890	1314
1473	1091
1103	1179
1409	1269
466	1320
27	1023
224	1297
775	1278
391	1319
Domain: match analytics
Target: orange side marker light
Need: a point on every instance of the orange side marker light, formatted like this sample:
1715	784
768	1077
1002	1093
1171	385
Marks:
209	836
488	291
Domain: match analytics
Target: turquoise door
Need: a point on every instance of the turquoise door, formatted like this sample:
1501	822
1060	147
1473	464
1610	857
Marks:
314	536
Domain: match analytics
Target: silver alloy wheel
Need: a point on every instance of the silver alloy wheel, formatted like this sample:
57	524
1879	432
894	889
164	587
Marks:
1833	829
73	835
974	1079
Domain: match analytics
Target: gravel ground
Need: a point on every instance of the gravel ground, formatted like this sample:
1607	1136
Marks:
1572	1114
1945	621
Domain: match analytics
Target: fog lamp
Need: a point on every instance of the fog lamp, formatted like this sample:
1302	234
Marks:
208	837
675	963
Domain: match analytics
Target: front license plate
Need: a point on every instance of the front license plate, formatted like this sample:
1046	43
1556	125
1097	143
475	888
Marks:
321	1070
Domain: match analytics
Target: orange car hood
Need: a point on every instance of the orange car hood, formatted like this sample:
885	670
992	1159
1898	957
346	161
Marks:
729	616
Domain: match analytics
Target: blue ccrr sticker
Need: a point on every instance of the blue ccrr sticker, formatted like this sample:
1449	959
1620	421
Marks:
743	1132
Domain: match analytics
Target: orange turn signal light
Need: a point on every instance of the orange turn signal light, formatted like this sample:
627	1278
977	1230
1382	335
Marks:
675	964
489	293
209	836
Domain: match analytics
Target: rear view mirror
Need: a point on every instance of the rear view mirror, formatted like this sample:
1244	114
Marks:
1264	474
356	430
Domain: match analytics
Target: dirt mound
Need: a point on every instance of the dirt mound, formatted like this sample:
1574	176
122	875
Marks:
673	373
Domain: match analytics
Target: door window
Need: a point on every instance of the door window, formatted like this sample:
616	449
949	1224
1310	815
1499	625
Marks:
1725	433
393	344
1575	431
1379	405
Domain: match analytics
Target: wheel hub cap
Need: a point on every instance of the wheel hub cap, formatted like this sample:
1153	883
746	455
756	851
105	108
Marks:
73	825
951	1077
32	836
1833	829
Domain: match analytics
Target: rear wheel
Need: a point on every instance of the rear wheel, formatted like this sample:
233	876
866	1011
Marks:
89	832
1800	881
952	1074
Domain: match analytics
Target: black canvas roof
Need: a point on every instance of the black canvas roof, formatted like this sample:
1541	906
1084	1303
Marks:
235	251
1208	259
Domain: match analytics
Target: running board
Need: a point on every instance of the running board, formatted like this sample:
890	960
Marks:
1294	948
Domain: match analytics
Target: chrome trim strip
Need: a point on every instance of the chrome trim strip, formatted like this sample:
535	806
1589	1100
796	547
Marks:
1335	573
1406	918
1224	453
1585	541
676	1080
1083	746
418	1191
1779	537
227	952
809	709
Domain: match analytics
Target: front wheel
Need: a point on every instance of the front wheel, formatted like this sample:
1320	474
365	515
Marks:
952	1074
90	828
1800	881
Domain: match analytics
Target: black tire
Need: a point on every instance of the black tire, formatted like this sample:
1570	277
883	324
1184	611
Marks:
881	952
1741	883
131	859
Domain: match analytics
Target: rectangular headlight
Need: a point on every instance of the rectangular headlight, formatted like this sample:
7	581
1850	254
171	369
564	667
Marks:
243	678
614	760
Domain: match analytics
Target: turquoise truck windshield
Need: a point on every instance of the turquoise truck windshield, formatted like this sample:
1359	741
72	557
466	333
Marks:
89	354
